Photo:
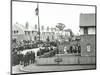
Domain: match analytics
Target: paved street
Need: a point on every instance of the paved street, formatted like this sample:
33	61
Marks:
35	68
16	69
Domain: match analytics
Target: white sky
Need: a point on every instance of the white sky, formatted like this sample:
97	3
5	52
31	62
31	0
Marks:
50	14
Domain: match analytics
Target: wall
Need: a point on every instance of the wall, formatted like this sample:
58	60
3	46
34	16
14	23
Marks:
87	60
85	40
67	60
91	30
81	31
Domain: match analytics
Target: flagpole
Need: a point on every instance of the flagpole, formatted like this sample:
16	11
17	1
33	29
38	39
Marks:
38	21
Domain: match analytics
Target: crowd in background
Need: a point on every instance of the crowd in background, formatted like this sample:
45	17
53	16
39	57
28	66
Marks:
74	49
47	51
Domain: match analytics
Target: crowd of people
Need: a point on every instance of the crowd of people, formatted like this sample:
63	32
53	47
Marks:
19	58
50	50
74	49
29	57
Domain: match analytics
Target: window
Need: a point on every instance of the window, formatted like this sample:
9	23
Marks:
88	48
85	30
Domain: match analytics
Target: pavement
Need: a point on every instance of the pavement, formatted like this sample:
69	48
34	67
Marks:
16	69
35	68
48	68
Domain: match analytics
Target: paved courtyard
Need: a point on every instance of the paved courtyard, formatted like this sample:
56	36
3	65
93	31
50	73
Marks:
35	68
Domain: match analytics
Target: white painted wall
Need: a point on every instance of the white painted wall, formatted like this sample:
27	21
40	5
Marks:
91	30
81	31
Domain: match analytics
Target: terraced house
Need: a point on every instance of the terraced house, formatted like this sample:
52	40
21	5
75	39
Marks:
26	32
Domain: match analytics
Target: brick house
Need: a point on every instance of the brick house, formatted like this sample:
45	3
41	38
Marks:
88	34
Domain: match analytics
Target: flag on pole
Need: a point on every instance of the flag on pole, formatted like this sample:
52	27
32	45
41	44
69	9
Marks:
37	10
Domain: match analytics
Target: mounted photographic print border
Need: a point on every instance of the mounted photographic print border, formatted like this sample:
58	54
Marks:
70	58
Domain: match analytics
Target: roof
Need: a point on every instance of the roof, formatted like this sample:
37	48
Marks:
30	28
21	27
18	27
87	20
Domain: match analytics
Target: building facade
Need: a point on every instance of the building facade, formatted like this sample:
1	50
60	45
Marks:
88	34
26	32
21	32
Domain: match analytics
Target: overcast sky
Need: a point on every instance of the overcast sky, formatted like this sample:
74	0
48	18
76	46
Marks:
50	14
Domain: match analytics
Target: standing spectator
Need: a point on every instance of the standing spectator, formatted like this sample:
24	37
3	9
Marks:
71	50
79	48
24	60
65	49
33	57
27	57
21	58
